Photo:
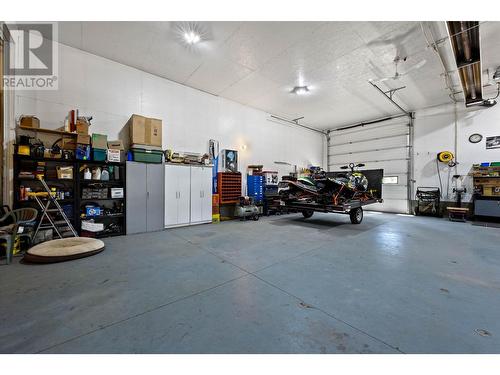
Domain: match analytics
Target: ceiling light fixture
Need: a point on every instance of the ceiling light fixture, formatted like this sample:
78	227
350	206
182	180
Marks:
300	90
191	37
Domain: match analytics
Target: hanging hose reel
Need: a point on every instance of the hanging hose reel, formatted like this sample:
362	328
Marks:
445	156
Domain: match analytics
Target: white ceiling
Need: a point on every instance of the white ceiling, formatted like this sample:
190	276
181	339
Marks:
258	63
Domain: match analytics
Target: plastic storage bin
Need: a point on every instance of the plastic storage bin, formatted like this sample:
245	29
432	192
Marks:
99	154
146	156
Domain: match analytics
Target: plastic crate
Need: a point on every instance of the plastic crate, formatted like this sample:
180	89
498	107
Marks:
146	156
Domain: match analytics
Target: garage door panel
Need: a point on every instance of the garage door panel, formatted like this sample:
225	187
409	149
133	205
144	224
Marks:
394	191
369	156
383	143
390	205
367	134
390	167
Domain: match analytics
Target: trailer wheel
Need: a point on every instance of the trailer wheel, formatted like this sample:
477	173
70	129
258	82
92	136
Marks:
307	213
356	215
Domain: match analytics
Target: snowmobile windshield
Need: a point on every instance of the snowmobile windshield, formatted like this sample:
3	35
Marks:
306	181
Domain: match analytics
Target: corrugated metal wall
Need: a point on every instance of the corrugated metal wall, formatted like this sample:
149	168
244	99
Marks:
385	145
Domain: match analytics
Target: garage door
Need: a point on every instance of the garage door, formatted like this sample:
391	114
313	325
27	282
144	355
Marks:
384	145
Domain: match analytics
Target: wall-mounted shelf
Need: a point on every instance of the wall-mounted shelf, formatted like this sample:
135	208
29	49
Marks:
48	131
53	160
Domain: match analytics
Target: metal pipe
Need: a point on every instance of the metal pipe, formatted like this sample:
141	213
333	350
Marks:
390	99
360	124
297	124
446	74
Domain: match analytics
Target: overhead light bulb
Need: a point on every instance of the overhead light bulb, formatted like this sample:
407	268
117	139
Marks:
191	37
300	90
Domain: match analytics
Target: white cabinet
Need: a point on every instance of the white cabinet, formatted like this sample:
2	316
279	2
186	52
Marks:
188	195
201	194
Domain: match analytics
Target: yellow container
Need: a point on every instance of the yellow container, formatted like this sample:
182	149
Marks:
23	150
215	218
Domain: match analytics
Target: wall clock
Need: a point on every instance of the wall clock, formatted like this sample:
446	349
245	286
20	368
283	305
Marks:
475	138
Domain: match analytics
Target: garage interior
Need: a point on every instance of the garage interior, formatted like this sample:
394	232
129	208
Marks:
251	187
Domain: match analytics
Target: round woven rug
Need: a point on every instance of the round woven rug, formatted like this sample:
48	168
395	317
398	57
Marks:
64	249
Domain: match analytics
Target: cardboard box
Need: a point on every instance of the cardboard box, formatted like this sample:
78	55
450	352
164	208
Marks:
99	141
91	226
116	145
68	143
116	192
64	173
114	155
137	129
47	154
145	131
83	139
153	132
82	127
30	122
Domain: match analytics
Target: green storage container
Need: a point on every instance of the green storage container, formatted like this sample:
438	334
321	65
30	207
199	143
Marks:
146	156
98	154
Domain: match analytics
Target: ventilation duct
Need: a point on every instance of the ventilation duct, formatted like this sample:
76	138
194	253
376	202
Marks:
465	42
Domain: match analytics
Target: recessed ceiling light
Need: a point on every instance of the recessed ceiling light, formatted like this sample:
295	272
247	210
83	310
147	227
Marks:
300	90
191	37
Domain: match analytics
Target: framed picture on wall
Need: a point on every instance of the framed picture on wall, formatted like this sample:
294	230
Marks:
493	142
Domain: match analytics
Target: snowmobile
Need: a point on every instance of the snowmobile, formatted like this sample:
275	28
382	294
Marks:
345	193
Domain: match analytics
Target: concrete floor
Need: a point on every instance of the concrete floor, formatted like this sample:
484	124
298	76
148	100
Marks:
393	284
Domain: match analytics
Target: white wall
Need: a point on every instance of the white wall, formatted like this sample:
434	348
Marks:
111	92
435	132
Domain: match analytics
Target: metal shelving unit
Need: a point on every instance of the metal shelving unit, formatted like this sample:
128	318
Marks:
74	185
81	184
26	163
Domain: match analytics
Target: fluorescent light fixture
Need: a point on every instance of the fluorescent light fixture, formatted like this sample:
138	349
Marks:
466	46
191	37
300	90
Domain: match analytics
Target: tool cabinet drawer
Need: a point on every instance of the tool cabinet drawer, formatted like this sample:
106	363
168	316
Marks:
487	208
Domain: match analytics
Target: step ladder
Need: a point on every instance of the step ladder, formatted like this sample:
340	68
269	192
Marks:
47	210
